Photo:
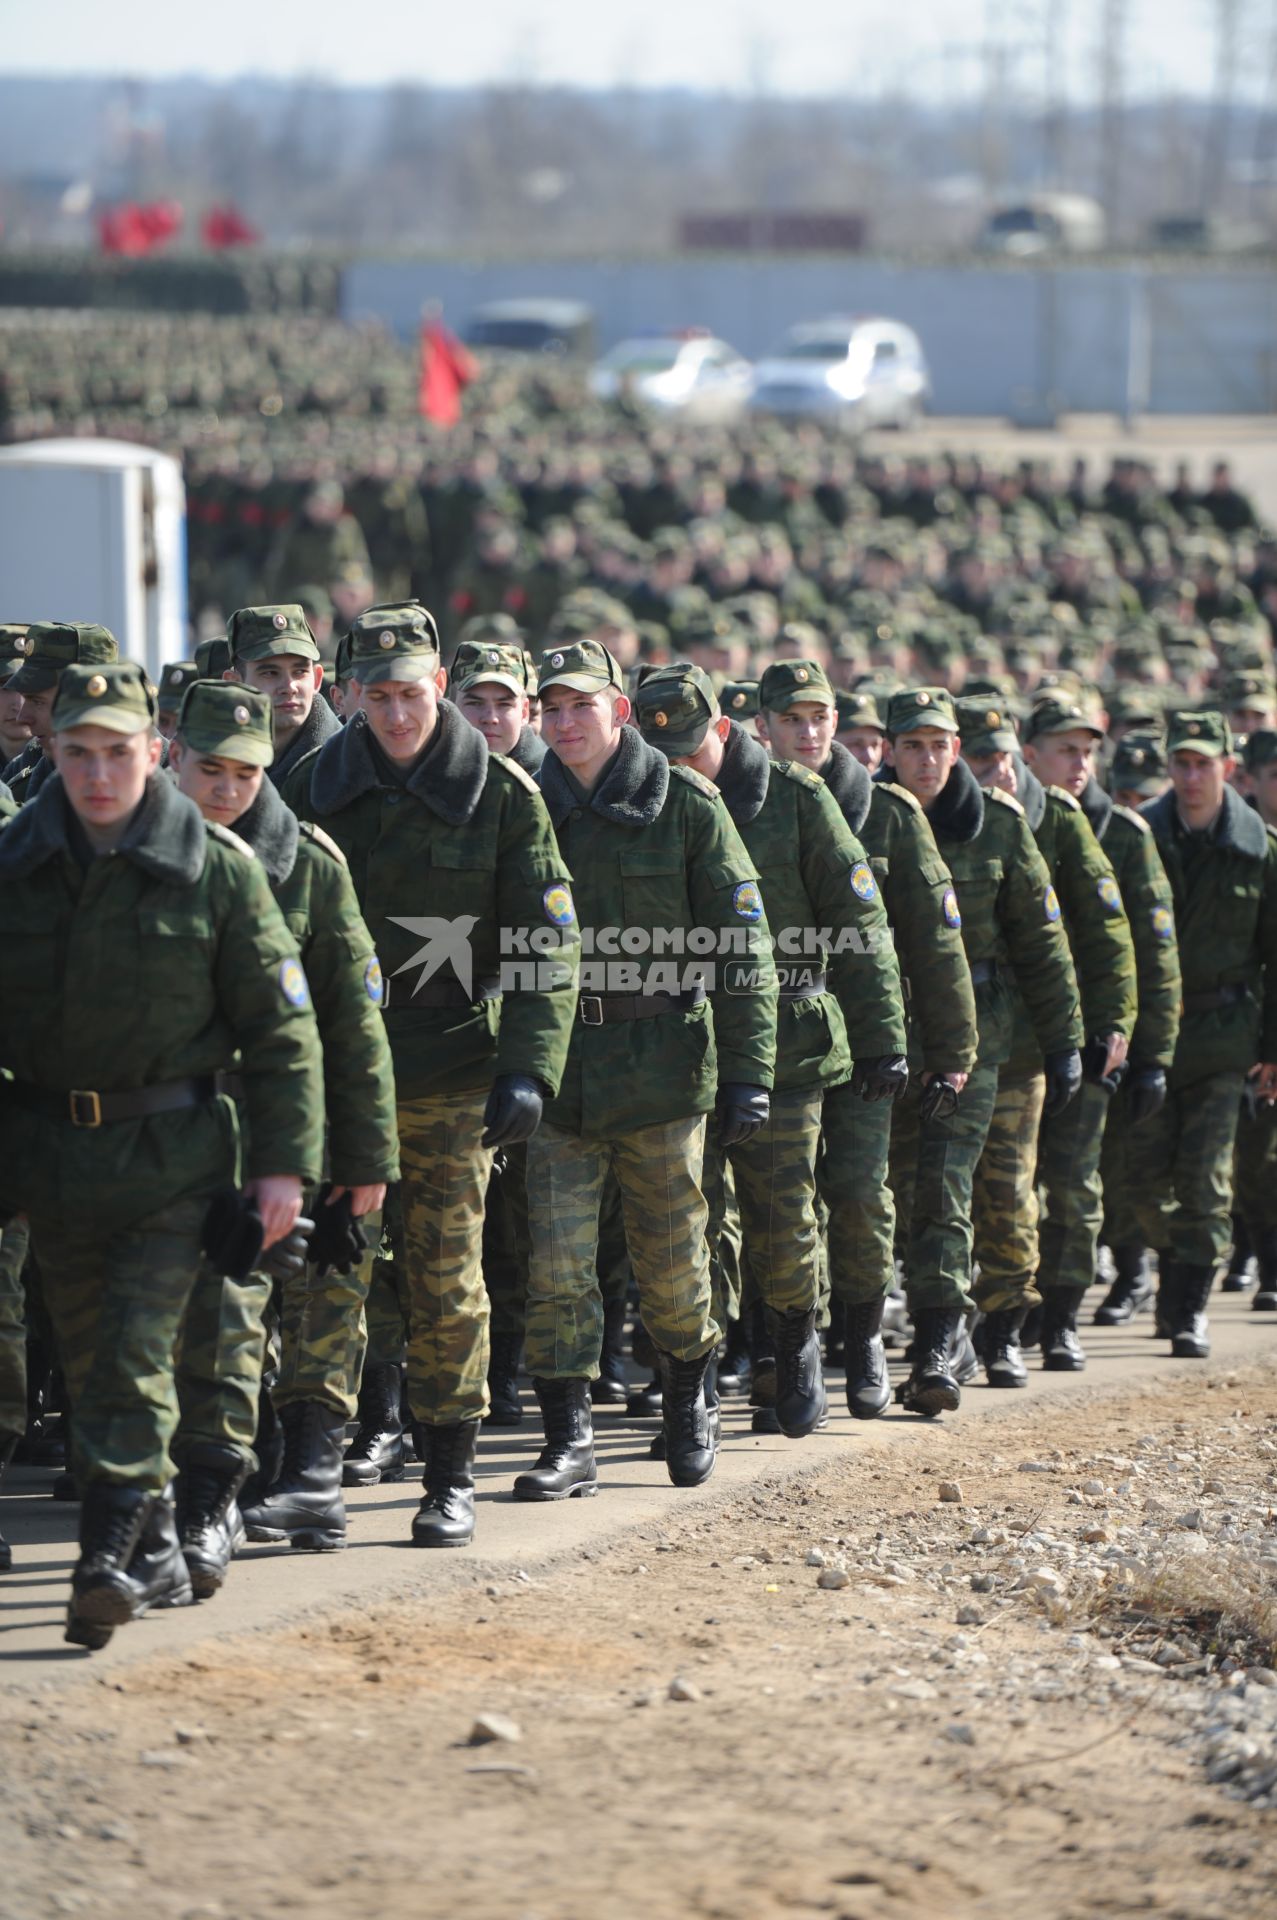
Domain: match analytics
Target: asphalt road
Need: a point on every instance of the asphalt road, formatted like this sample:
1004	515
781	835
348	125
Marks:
269	1585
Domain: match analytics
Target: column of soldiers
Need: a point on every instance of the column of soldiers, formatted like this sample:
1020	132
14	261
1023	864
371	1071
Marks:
352	1048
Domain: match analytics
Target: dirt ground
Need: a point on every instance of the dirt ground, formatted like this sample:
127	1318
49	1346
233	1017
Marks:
970	1718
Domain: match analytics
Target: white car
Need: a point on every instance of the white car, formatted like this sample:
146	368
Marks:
688	372
858	373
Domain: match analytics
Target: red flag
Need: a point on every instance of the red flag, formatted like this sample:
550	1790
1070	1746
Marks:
225	226
446	368
131	231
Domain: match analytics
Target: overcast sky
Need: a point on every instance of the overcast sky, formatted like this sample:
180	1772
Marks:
796	47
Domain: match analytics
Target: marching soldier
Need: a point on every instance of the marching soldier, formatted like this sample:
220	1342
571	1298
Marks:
274	651
48	649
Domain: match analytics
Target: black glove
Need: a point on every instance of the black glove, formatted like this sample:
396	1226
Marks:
1063	1078
1094	1055
287	1258
337	1240
232	1234
939	1100
513	1112
1147	1093
882	1079
740	1112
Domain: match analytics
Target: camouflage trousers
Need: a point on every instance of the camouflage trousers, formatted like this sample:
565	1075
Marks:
774	1175
506	1240
932	1178
117	1306
1069	1155
1122	1224
220	1355
321	1331
658	1171
1181	1166
1004	1199
851	1173
1254	1167
13	1331
431	1291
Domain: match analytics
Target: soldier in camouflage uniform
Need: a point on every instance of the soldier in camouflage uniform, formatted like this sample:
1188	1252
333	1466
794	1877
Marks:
137	980
273	650
1004	902
175	678
839	988
15	734
1023	1150
1221	862
49	649
940	1003
219	757
657	863
455	867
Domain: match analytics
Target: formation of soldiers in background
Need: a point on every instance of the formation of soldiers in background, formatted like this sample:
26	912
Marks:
962	777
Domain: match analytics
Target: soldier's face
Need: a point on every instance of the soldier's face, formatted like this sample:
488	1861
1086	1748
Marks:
923	761
993	770
105	773
402	713
13	728
1199	780
222	789
1264	787
1063	759
803	732
497	712
582	729
864	744
36	712
292	683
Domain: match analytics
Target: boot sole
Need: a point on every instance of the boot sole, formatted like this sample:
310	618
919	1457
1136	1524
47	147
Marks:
417	1541
379	1477
930	1401
1062	1363
584	1490
863	1409
1007	1379
1188	1350
306	1540
81	1633
103	1607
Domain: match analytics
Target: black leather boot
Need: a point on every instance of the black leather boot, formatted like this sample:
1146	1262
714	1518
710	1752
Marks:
158	1568
689	1439
644	1402
800	1386
505	1409
836	1335
762	1386
1061	1348
1132	1287
377	1451
1164	1306
735	1365
8	1446
565	1465
1190	1332
932	1386
268	1445
611	1389
1265	1300
208	1521
304	1507
1241	1264
445	1517
868	1388
1003	1362
102	1594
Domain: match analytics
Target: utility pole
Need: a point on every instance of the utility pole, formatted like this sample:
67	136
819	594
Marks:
1114	19
1054	92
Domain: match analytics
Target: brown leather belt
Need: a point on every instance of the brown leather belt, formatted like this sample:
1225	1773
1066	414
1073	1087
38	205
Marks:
85	1107
601	1009
809	990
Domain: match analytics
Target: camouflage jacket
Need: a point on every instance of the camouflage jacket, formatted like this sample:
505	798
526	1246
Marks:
1146	895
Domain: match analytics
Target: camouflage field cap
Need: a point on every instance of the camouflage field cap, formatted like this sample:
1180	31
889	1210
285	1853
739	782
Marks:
1260	749
175	678
341	660
233	722
496	629
675	708
12	655
489	663
394	643
257	633
213	657
1139	764
1194	732
786	682
50	647
857	709
915	707
985	725
115	695
1061	713
739	699
584	665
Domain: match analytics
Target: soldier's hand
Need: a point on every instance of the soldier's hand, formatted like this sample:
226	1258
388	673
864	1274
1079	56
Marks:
278	1199
1104	1061
1063	1079
362	1199
1147	1090
882	1079
287	1258
513	1110
740	1111
1264	1076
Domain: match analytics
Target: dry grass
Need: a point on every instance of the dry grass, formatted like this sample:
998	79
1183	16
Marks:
1218	1607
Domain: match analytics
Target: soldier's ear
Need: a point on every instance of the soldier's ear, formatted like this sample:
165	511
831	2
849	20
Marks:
441	679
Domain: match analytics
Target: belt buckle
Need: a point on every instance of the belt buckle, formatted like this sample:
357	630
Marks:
86	1108
587	1002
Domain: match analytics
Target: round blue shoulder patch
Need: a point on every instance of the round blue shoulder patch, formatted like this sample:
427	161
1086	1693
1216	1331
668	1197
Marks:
292	984
863	884
747	901
1162	921
1110	898
374	983
1050	904
949	908
556	902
